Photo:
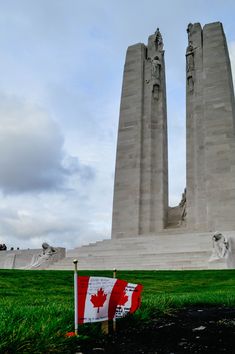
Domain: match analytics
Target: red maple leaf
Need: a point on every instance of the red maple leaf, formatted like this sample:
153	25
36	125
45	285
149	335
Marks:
123	299
98	300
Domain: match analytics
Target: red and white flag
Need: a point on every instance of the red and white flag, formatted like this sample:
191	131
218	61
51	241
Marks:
101	299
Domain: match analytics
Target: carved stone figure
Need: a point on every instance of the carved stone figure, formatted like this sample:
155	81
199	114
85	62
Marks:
222	249
190	66
182	205
190	83
190	57
189	31
156	76
47	249
46	256
220	244
158	40
156	68
156	89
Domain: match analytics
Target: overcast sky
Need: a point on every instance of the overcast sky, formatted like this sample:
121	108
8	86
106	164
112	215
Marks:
61	66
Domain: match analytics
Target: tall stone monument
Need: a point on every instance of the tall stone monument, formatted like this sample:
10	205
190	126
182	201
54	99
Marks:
210	130
140	204
141	176
146	232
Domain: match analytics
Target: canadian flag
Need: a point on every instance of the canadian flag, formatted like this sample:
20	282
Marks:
101	299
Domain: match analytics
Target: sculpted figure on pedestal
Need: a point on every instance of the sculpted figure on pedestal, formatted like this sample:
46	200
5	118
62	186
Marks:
156	76
158	40
189	31
190	57
156	68
190	66
182	205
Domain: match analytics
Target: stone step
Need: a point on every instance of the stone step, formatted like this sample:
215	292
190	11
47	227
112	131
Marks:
186	240
138	266
198	260
149	251
168	255
167	234
157	242
164	251
136	249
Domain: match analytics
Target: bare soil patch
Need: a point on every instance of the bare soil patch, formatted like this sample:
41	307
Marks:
190	330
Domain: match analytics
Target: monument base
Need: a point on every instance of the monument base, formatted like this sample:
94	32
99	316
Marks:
169	250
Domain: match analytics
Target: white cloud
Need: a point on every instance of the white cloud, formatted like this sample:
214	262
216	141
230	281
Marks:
32	156
45	190
62	219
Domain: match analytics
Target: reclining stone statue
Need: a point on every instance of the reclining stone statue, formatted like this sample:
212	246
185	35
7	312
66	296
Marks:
46	257
223	247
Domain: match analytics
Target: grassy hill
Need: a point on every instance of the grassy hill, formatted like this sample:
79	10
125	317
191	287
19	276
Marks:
36	307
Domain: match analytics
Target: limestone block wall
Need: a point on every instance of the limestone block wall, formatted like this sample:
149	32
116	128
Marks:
195	131
128	161
17	258
140	205
141	177
210	131
154	159
219	113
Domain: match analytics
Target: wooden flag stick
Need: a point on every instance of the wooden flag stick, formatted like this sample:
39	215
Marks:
114	273
105	324
105	327
75	261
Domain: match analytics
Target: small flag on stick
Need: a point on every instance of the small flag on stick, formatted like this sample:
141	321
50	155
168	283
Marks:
102	299
75	262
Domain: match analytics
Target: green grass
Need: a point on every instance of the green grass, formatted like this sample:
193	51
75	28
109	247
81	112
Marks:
36	307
